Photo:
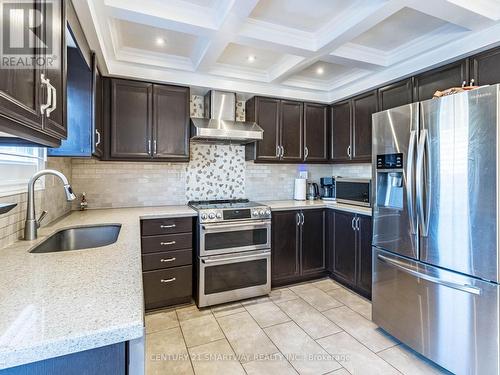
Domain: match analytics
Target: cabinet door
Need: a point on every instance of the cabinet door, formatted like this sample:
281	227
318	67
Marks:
329	238
55	69
313	242
452	75
344	247
291	125
267	112
362	109
131	110
364	271
340	134
485	67
316	122
97	87
19	89
171	122
395	95
285	246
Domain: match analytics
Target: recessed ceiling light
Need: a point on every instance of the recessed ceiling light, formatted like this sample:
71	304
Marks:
160	41
320	70
251	58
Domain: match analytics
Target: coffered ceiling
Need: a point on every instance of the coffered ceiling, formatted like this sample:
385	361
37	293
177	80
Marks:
320	50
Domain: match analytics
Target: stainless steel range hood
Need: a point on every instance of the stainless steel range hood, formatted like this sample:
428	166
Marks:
220	125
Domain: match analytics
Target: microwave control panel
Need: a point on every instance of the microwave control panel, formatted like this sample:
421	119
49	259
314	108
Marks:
390	161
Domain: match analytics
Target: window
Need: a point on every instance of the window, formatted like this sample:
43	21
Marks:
17	165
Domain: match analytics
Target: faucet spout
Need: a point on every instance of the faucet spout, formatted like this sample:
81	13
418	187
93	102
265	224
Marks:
32	224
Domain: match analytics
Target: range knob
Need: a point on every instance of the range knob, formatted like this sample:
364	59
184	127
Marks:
219	215
211	215
255	213
261	212
204	216
268	212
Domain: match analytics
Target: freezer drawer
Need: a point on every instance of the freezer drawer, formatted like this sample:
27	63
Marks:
450	318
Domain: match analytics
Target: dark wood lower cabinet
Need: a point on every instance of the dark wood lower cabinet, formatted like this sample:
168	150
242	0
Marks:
167	261
350	250
298	246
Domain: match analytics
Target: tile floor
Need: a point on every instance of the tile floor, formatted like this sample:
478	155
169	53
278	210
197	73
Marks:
317	327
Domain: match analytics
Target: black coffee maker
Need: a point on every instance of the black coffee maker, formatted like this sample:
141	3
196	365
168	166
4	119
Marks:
327	188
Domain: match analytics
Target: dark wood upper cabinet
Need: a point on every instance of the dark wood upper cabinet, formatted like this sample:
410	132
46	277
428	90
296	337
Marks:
452	75
364	271
344	247
316	124
485	68
171	122
362	109
131	118
395	94
340	134
291	120
313	241
266	113
285	262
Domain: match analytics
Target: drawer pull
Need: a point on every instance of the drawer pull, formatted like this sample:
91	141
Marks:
167	260
167	280
167	243
167	226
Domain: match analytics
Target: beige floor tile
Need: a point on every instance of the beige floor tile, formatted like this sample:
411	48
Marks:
247	339
341	371
316	297
274	365
355	302
304	354
355	357
201	330
191	312
326	284
301	288
282	295
360	328
215	358
256	300
161	321
267	314
409	362
309	319
166	353
227	309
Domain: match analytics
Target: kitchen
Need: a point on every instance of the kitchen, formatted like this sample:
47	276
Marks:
212	186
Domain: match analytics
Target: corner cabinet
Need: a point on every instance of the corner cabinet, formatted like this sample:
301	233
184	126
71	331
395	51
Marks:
33	100
146	121
351	129
298	246
350	252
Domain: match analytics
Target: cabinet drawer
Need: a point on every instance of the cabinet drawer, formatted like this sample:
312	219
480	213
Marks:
166	226
167	259
166	287
153	244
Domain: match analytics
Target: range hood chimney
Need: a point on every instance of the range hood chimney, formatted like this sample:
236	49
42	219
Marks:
220	125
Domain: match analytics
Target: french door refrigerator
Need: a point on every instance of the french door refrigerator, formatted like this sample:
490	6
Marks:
435	228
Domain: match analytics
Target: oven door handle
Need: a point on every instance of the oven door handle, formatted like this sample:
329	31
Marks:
242	257
253	224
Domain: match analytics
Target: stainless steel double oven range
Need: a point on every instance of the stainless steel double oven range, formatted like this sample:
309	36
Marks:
233	251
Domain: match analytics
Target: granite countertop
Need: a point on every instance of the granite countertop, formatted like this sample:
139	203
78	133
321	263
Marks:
54	304
303	205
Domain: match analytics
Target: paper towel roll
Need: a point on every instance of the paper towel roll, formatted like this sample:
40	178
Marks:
300	189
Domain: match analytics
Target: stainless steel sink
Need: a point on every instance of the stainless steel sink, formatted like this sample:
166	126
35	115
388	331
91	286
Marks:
78	238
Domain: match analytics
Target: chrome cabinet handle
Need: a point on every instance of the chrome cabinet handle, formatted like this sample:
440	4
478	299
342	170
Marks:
168	280
167	243
357	224
48	104
154	147
349	151
149	146
409	181
98	137
277	151
352	223
282	152
167	226
167	260
53	92
401	266
423	210
306	153
303	219
297	218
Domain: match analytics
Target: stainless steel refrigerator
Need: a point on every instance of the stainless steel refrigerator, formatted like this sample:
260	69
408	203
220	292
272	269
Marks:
436	228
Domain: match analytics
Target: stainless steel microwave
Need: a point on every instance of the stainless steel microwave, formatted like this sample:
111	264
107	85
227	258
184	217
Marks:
353	191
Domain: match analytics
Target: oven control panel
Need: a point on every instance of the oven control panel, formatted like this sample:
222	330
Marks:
220	215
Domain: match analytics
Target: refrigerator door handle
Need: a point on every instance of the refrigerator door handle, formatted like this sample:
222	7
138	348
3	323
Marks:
400	266
410	182
423	174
